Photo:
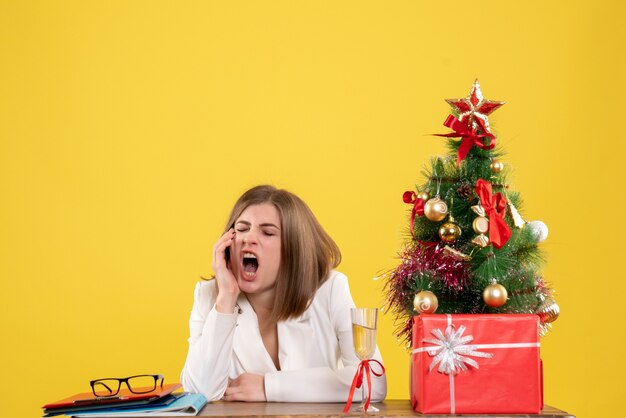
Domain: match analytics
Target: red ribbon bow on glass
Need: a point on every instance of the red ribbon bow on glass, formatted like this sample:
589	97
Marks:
468	136
495	207
418	205
364	368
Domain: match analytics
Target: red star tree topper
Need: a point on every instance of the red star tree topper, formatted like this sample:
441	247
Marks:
474	109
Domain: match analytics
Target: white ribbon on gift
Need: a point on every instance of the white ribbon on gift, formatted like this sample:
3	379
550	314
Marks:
452	352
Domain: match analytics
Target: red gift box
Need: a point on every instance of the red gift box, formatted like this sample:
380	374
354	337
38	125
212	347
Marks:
476	364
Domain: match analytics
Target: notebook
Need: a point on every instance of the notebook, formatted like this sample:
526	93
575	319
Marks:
125	396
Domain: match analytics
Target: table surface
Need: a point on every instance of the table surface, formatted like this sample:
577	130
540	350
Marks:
388	408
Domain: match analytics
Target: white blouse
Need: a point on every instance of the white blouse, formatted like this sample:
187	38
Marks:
316	355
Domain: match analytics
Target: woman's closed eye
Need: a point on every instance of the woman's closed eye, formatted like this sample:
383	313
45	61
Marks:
265	232
267	229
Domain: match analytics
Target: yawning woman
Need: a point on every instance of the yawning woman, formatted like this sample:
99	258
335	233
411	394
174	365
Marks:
274	322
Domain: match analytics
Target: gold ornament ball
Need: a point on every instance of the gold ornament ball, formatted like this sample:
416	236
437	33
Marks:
425	302
435	209
548	311
496	166
495	295
423	195
449	232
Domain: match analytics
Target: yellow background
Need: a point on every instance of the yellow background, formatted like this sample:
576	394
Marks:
128	129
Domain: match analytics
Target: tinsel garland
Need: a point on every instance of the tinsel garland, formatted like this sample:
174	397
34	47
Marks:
421	260
428	266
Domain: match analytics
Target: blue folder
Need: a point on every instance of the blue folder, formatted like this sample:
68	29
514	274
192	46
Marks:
186	404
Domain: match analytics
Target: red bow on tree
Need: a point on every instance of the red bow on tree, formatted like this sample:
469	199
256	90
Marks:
418	206
495	207
364	368
469	136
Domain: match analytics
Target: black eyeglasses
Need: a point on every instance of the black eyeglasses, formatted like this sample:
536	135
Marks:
141	383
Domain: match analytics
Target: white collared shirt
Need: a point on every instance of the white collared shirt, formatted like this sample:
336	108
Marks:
316	354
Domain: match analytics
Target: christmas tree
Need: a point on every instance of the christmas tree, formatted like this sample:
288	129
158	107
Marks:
469	249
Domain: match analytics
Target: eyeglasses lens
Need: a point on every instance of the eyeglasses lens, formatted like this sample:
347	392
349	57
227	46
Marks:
142	384
106	387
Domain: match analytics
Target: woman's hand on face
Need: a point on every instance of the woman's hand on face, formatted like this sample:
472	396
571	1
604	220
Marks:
227	287
247	387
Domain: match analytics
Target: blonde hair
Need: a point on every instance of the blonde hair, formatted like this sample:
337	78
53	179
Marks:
308	253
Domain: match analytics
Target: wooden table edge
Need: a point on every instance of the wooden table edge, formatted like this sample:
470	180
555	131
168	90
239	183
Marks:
388	408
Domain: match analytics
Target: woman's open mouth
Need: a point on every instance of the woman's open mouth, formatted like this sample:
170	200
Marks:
250	265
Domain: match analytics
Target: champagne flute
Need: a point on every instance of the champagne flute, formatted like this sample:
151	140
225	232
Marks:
364	321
